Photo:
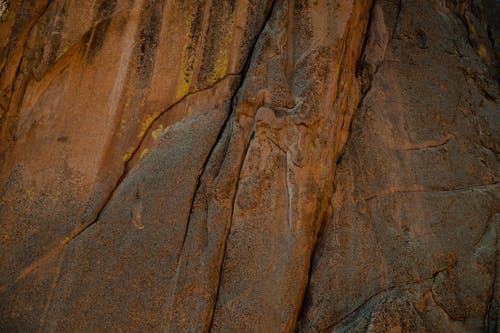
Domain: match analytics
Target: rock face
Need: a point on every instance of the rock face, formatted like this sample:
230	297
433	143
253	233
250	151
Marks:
250	166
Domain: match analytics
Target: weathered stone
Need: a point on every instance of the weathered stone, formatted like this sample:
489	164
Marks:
182	166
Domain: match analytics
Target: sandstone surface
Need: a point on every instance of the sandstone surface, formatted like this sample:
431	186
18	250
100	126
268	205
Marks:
250	166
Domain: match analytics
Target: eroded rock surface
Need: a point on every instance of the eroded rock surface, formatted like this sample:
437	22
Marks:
191	166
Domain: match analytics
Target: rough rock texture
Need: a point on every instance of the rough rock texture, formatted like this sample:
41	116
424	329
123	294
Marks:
191	166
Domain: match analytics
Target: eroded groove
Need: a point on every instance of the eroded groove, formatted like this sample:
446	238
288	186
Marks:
199	183
288	193
441	306
233	241
312	266
51	294
359	308
487	227
338	158
492	311
359	71
378	294
400	7
225	127
227	235
233	102
423	190
197	189
431	145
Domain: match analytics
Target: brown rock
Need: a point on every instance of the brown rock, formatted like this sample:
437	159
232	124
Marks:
182	166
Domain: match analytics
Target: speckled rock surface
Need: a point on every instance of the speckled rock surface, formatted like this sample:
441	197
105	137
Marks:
249	166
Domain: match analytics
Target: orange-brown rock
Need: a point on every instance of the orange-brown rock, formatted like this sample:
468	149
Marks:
190	166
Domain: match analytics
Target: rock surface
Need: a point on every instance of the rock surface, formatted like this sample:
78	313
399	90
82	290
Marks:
191	166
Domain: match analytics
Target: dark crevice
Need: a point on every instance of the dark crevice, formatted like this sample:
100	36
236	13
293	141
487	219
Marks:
487	167
221	268
365	80
312	265
434	277
233	105
485	146
468	32
18	71
304	303
55	282
400	6
489	222
489	34
447	268
339	88
441	306
199	184
359	63
491	317
359	308
200	175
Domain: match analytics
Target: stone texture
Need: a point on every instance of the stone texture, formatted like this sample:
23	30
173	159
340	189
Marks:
190	166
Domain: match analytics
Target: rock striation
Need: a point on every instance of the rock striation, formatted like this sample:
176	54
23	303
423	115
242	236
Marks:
249	166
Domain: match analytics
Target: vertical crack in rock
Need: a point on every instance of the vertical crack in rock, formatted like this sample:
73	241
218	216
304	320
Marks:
205	324
492	315
53	287
198	186
202	173
289	192
365	77
438	303
358	309
289	119
441	306
400	7
225	237
197	160
331	297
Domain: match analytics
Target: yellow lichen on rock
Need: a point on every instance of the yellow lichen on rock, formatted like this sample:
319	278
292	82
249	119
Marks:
146	123
144	152
128	154
157	132
483	54
470	26
66	240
